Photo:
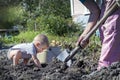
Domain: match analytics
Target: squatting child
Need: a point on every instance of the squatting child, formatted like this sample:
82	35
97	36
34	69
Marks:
26	51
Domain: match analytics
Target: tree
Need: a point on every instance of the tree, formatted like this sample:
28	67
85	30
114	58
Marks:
8	13
32	9
36	8
56	7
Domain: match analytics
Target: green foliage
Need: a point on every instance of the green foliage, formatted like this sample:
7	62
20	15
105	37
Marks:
46	7
33	9
6	3
22	37
56	7
14	12
65	41
30	24
30	5
10	16
25	36
29	35
54	25
46	16
94	43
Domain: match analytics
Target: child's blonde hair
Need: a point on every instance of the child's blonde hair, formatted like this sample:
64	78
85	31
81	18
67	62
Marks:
43	39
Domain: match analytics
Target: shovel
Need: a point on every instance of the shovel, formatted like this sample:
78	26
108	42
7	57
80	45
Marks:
65	57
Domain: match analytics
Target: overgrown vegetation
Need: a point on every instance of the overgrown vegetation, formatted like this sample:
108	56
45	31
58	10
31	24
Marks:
50	17
10	16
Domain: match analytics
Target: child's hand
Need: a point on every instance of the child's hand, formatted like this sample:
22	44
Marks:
36	61
39	66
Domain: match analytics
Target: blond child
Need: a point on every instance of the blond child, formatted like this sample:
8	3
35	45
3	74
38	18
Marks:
26	51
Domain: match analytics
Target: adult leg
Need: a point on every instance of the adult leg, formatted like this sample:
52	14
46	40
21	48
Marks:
111	42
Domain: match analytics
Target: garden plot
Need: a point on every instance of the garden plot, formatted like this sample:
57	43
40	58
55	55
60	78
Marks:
80	70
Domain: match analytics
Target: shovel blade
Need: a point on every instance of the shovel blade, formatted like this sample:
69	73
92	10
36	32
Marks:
63	55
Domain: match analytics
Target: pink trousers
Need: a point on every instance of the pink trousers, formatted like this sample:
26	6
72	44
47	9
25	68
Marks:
110	38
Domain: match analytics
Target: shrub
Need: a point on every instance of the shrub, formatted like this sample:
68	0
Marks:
22	37
10	16
26	36
55	25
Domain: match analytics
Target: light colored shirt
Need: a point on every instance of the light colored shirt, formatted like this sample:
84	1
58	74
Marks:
25	48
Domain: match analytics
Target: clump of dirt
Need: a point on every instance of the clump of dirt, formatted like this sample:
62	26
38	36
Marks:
81	69
110	73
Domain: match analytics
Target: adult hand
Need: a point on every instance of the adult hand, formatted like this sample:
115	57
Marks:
81	42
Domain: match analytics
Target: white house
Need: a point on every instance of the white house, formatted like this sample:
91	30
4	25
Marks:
79	12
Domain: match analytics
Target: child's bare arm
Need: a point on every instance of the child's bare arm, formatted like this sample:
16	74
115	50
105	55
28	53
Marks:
36	61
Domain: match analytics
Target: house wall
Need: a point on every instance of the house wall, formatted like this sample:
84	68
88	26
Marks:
79	12
77	8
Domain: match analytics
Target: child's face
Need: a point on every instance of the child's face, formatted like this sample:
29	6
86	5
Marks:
42	48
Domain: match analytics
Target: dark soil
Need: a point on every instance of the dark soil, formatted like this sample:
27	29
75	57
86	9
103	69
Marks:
81	69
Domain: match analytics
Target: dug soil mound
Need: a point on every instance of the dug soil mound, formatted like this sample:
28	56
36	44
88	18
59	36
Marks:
82	69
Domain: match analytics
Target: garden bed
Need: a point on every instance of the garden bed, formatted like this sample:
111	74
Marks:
83	68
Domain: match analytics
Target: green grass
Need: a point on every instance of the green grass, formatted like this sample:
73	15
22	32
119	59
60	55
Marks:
69	39
29	35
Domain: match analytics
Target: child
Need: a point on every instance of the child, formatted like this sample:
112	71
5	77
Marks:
26	51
